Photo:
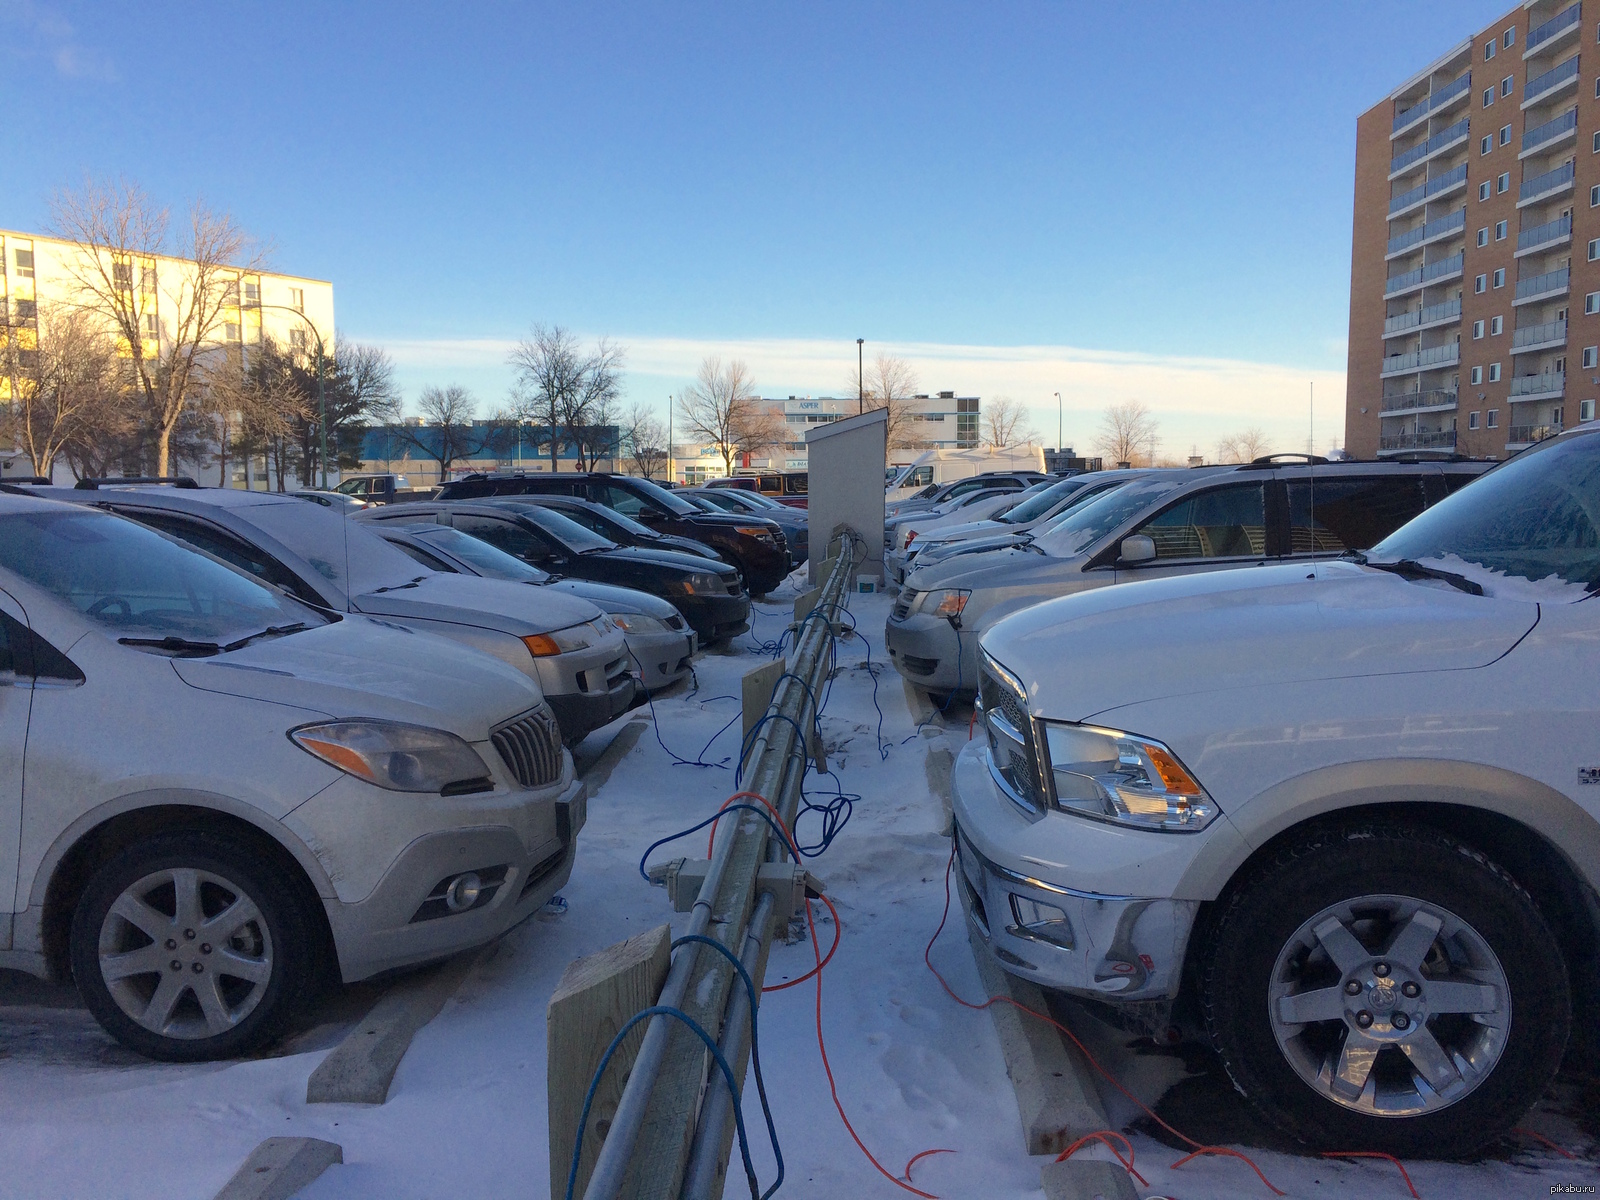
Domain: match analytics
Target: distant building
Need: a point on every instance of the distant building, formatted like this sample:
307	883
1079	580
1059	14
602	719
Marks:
942	421
411	449
1473	326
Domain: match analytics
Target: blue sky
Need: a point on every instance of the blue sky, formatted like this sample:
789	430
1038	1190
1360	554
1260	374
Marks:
1150	188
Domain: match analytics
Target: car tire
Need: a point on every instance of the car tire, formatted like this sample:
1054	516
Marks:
1336	1044
152	905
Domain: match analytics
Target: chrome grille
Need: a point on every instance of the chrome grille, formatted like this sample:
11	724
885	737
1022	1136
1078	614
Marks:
903	603
531	748
1012	755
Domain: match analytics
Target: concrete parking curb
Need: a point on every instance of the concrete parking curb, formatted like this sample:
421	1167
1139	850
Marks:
279	1167
1056	1095
1087	1179
360	1069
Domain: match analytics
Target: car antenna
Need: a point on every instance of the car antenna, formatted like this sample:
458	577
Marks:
1311	471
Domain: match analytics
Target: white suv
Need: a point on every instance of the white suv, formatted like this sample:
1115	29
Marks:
1351	807
213	796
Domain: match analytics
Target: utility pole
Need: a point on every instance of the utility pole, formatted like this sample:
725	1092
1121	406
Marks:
861	379
671	478
1059	424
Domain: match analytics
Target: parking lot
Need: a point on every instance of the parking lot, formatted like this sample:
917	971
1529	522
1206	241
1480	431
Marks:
81	1117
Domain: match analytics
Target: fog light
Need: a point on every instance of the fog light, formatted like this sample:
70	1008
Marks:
463	892
1041	922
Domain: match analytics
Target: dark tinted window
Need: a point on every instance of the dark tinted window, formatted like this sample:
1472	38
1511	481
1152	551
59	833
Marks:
1456	480
12	639
624	501
514	539
1334	515
423	557
1225	522
230	550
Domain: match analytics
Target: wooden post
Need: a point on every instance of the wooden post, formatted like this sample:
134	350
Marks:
595	998
756	692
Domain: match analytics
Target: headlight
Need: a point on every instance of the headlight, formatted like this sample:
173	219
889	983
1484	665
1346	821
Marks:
760	533
564	641
704	585
401	758
947	602
637	623
1123	778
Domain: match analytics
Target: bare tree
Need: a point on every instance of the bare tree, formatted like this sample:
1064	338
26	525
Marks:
644	438
1244	446
167	326
65	386
570	392
595	432
1128	433
891	383
720	408
447	432
1005	423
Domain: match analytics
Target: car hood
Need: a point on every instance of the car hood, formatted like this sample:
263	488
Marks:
671	543
967	529
364	668
499	604
645	556
1085	654
998	565
724	520
611	598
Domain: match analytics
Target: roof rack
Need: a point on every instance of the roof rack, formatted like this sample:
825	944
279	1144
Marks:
1272	460
178	481
32	480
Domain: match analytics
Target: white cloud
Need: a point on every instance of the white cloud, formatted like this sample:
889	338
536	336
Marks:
53	36
1196	400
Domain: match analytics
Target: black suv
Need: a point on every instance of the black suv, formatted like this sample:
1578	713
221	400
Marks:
753	544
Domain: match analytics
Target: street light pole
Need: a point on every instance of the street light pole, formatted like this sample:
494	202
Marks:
861	380
1059	425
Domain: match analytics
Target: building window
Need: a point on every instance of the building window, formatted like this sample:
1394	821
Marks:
1500	277
1500	230
1488	97
152	326
1594	249
297	338
252	293
1496	324
1494	419
1487	144
1480	284
1483	236
1488	50
1591	304
1494	372
1477	330
1510	38
1505	135
297	298
1591	357
24	263
1585	410
1506	85
1503	184
1477	375
230	332
1472	420
122	276
1556	414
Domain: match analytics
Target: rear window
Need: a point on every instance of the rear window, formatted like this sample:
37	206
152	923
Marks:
488	560
1037	505
1344	513
343	552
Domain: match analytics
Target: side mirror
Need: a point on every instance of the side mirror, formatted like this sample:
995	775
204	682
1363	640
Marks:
1137	549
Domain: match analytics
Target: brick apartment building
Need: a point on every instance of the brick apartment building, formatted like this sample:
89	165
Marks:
1475	262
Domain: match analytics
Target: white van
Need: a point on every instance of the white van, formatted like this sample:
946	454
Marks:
942	466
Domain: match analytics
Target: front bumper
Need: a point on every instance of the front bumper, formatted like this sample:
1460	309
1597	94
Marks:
1108	947
580	713
933	654
662	658
396	924
715	617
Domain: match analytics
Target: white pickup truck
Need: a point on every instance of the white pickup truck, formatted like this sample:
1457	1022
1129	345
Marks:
1346	811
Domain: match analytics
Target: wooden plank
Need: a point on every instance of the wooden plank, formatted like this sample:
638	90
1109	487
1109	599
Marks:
280	1167
756	692
595	998
806	602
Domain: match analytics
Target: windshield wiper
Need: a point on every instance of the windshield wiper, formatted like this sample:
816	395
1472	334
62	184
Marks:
269	631
177	645
396	587
1410	568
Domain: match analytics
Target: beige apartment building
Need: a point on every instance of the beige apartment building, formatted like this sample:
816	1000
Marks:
38	273
1475	262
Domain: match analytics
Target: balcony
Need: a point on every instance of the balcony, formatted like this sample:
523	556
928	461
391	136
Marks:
1548	385
1398	443
1539	337
1551	134
1434	272
1545	37
1422	318
1433	231
1520	436
1424	192
1409	403
1430	359
1423	151
1542	187
1551	83
1445	96
1551	233
1543	287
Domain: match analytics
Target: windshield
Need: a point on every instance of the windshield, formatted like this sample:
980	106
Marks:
487	560
676	505
565	530
1083	525
1037	505
342	552
720	501
1536	517
140	583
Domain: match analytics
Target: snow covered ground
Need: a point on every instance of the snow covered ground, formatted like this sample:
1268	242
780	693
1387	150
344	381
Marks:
466	1115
